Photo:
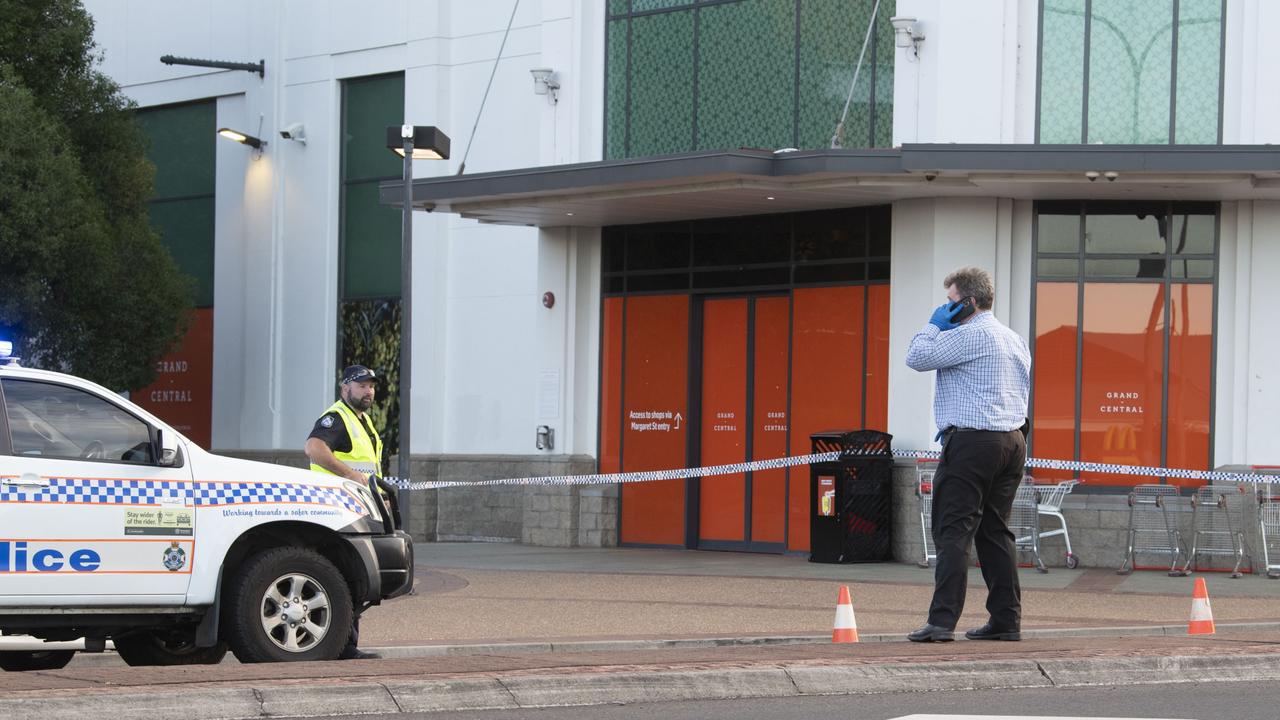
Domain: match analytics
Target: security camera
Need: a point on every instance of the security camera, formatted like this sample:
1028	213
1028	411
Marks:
929	176
1092	175
296	131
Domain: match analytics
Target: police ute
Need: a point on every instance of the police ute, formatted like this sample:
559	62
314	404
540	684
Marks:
115	527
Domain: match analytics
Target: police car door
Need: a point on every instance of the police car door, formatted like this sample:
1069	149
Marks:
87	515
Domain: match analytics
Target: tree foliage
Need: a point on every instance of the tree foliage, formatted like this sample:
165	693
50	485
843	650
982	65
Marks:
86	286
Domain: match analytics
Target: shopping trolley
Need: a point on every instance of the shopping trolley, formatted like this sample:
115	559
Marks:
1024	522
1050	504
1269	525
925	470
1153	527
1217	521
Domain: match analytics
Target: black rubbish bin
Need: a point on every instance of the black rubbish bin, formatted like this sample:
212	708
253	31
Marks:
851	498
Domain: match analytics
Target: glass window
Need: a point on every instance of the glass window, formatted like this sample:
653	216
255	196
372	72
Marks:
658	247
1057	268
662	84
1194	234
830	235
1147	305
56	421
1130	71
616	82
828	56
758	239
682	75
746	75
1058	233
1062	31
1199	71
823	247
1125	233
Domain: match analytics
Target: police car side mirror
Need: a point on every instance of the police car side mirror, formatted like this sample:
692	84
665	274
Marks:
166	449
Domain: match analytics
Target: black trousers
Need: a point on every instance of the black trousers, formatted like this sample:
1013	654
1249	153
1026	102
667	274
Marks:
973	492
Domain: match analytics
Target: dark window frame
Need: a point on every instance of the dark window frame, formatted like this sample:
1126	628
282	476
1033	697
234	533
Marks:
1166	281
1175	14
6	440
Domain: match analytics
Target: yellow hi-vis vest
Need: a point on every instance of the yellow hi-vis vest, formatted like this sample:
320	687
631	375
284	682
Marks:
365	455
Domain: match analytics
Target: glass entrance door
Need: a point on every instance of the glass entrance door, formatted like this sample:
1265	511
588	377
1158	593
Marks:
743	415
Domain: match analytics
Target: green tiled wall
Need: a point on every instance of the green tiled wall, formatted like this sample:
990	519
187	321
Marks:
730	73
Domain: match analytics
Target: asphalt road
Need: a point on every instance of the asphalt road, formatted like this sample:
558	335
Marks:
1189	701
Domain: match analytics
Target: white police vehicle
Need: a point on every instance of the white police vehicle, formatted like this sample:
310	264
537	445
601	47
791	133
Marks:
115	527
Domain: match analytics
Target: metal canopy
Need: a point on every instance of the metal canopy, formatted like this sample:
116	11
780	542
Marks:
751	182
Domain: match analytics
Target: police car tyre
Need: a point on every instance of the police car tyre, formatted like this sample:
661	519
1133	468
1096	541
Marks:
155	648
19	660
287	604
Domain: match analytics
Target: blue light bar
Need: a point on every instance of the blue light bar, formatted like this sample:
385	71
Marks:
6	348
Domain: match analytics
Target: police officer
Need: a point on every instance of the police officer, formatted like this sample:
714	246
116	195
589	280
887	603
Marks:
344	442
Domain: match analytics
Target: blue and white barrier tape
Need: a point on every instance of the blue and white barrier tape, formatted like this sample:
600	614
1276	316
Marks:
776	463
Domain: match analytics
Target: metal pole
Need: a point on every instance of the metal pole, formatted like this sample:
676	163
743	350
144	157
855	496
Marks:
406	317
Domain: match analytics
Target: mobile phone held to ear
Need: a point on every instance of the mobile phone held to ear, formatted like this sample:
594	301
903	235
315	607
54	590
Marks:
962	308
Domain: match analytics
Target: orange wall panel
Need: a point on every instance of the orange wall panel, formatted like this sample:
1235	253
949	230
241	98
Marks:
1121	377
182	394
1053	429
1190	366
655	412
769	424
826	382
877	358
722	501
611	387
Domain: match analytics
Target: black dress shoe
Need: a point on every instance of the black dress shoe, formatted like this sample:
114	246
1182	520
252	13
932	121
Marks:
932	633
358	654
988	632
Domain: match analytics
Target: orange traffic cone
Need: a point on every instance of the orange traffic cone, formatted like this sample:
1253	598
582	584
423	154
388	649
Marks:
1201	614
846	630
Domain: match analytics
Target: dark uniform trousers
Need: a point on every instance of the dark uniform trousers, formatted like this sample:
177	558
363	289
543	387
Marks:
973	491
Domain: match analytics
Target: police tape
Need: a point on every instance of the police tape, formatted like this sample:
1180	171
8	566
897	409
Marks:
792	461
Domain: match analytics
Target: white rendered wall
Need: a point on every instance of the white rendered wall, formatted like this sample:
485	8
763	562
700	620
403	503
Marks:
1247	386
966	84
479	343
931	238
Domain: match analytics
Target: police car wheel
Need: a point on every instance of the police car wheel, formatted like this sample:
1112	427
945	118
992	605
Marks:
287	604
156	648
19	660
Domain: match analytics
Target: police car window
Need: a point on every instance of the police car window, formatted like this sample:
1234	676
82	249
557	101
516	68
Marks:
56	421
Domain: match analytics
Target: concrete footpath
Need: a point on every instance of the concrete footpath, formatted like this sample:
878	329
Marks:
509	626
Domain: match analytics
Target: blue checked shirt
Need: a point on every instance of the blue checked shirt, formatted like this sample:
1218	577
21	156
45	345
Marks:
984	373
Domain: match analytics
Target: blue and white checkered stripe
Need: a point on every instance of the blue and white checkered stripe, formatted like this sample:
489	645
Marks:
95	491
775	463
241	493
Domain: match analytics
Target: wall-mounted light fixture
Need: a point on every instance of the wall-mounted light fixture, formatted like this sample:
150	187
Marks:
906	33
545	438
242	138
545	82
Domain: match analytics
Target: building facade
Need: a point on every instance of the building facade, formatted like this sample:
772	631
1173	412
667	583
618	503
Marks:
706	240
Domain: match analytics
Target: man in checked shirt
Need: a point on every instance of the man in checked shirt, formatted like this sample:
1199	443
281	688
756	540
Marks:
980	405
